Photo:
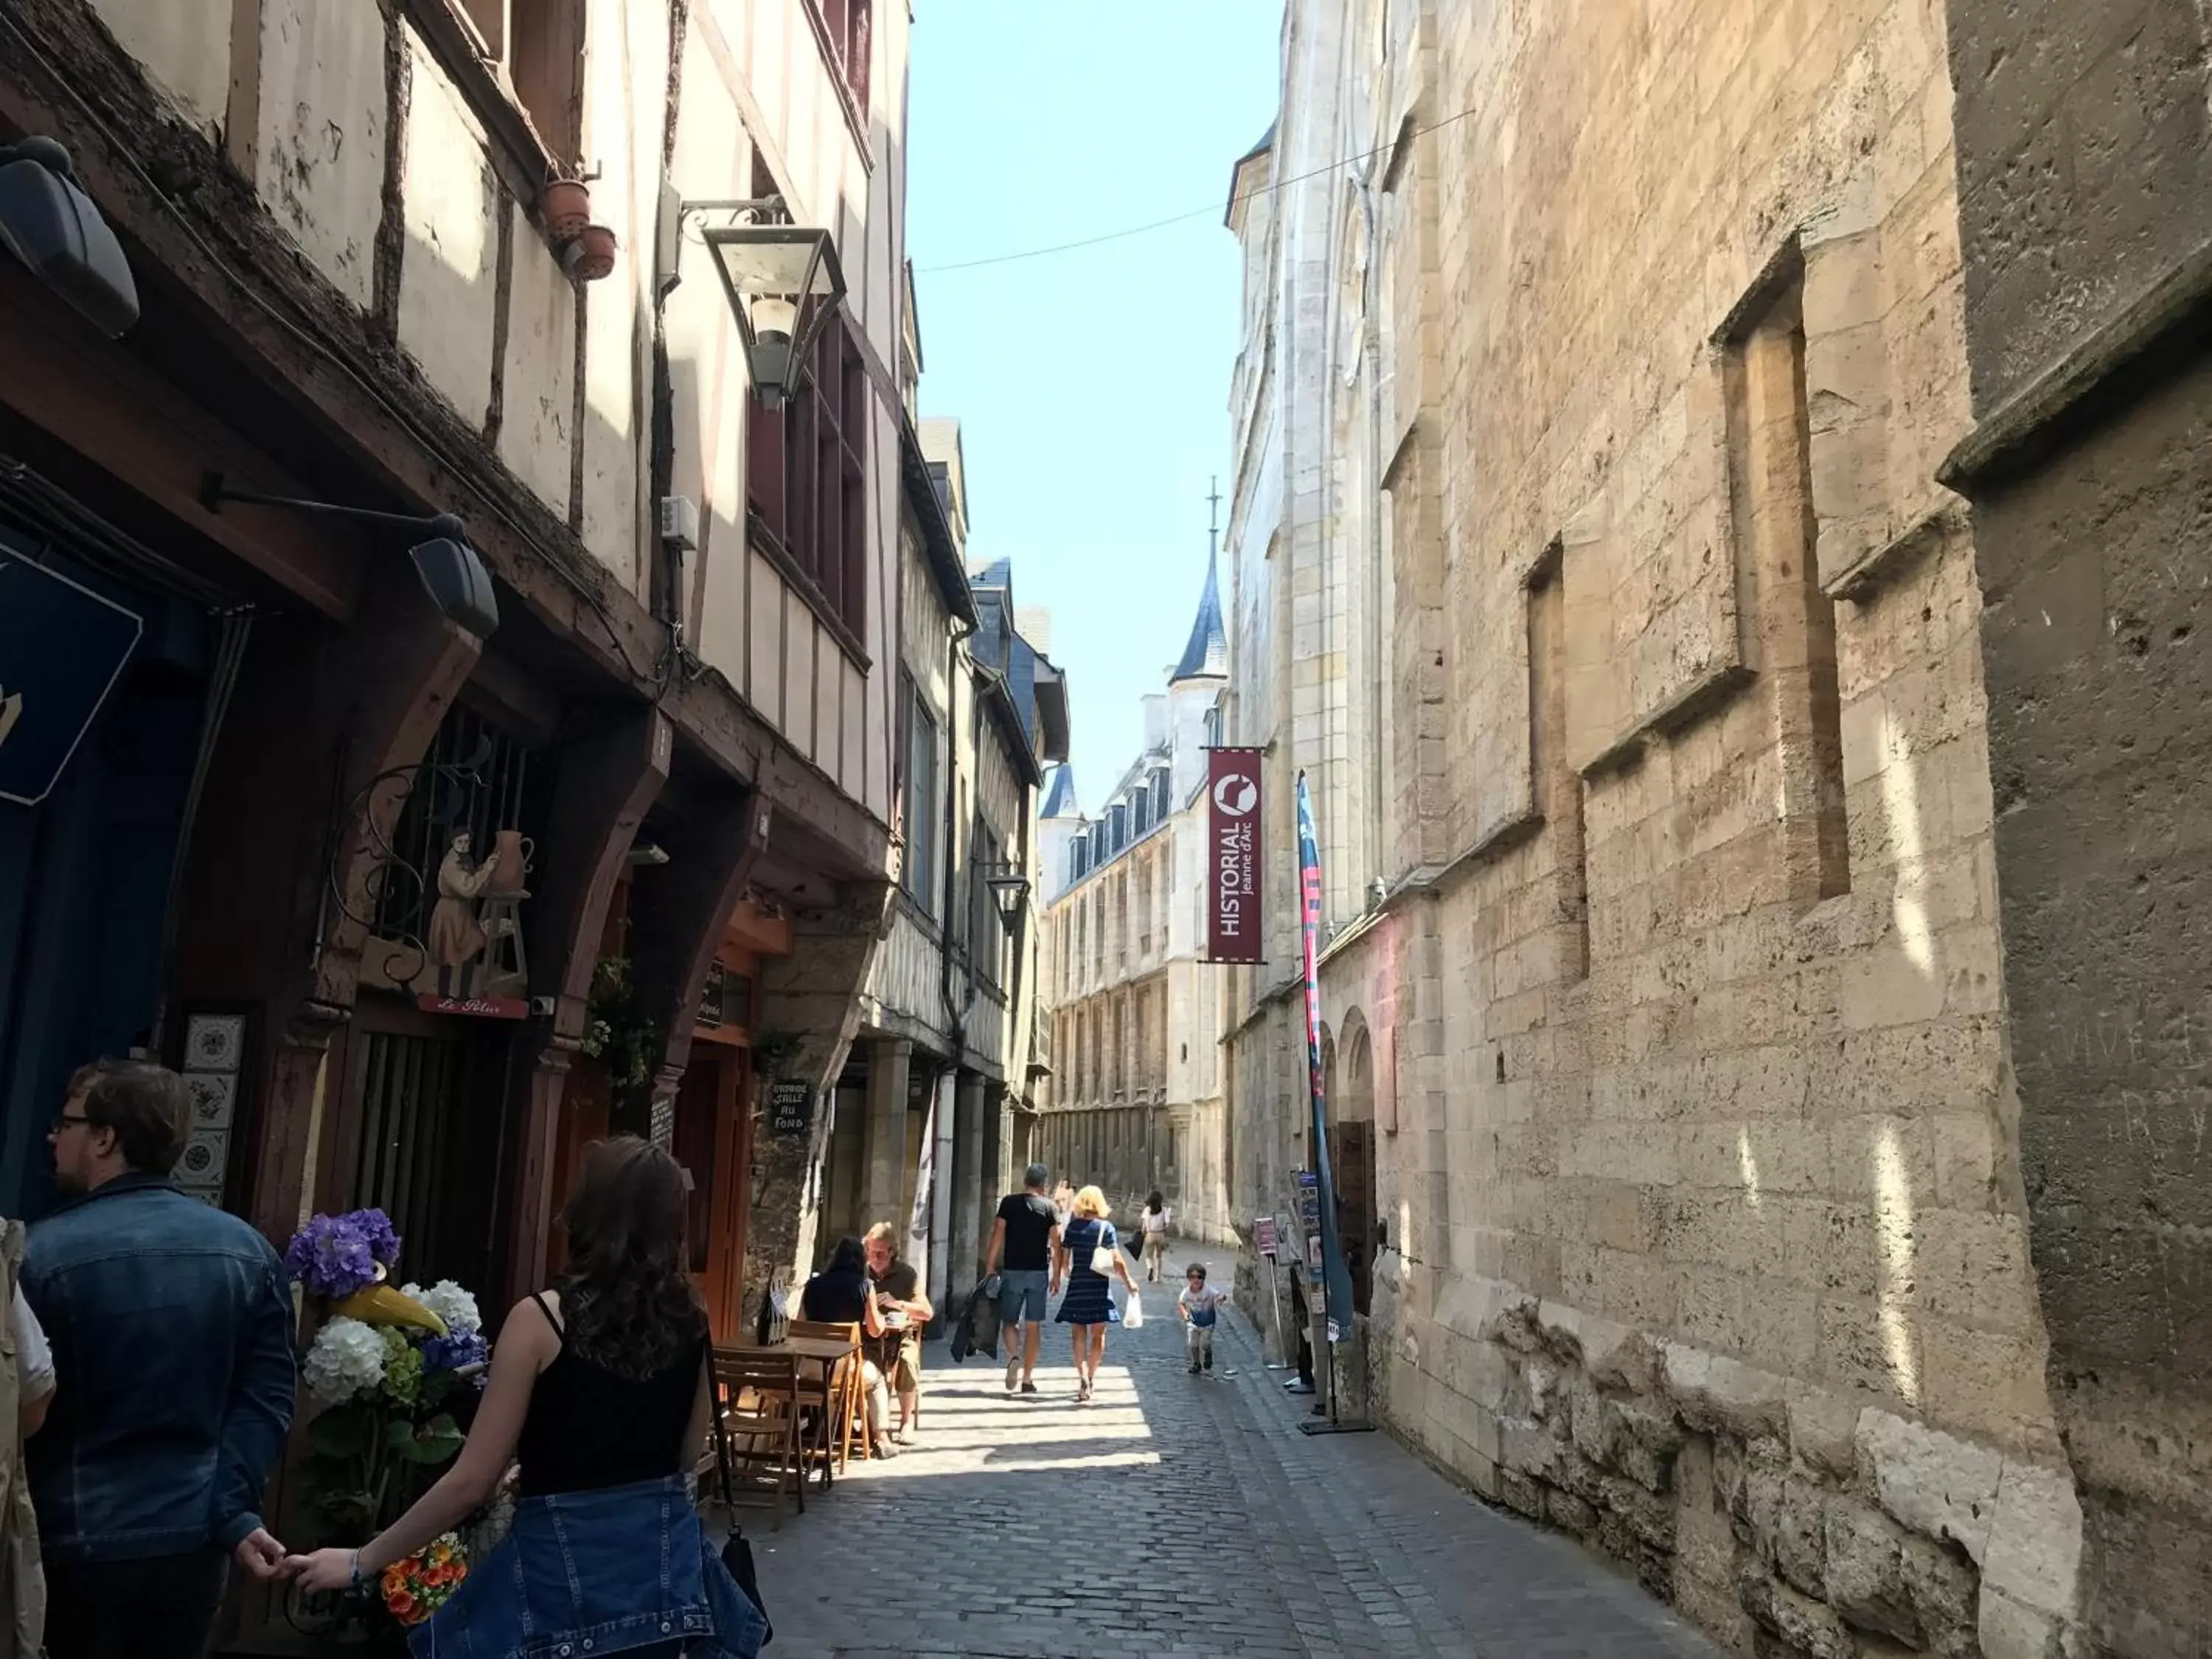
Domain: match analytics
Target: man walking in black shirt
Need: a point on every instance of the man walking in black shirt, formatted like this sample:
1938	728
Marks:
1023	1236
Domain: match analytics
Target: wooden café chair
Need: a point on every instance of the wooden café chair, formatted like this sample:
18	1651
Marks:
756	1425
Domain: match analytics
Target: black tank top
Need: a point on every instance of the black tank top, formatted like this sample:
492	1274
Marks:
587	1429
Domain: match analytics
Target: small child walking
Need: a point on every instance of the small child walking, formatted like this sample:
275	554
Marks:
1201	1309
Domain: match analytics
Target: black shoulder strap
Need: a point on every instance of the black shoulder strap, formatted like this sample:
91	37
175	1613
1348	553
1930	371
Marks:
539	1296
721	1443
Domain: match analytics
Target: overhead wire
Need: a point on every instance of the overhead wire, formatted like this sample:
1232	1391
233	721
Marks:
1207	211
659	676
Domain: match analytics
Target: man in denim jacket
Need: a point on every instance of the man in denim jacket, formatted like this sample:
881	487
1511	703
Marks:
173	1323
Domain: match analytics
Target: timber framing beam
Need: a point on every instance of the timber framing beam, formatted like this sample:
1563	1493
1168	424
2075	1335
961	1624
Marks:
181	208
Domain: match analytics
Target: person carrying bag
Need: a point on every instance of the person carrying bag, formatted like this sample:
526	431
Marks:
1087	1253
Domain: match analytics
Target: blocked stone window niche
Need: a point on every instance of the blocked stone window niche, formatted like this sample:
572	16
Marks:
1558	783
1789	624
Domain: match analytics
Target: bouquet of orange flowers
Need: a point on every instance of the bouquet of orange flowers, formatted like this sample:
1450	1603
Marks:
417	1585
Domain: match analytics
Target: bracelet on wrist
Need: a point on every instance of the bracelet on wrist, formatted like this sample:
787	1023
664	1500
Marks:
353	1570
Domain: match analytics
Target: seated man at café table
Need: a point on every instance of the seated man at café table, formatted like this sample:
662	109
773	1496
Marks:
905	1308
840	1295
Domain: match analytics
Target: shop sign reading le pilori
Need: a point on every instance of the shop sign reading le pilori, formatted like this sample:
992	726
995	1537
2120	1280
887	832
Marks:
1232	856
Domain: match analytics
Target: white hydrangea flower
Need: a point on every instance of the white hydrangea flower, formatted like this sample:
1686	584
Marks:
450	1302
345	1360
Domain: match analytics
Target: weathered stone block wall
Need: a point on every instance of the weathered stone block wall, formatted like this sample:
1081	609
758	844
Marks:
1708	1242
2084	144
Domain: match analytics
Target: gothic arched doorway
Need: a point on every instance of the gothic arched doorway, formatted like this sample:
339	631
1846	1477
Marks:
1352	1161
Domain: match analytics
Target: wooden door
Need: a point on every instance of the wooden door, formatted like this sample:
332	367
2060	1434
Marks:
722	1200
1352	1165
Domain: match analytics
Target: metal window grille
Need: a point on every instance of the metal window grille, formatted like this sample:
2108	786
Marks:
471	778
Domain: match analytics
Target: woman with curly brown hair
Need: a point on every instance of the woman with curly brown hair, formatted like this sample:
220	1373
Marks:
601	1392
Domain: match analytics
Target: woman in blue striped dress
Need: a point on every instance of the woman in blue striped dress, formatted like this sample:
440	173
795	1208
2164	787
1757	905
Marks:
1089	1306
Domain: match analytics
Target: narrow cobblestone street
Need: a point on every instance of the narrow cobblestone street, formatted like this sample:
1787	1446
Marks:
1175	1517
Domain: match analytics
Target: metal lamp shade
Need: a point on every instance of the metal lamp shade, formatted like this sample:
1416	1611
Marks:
457	584
53	226
1011	892
783	281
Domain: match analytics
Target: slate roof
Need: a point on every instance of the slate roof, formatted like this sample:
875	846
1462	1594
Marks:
1208	652
1060	799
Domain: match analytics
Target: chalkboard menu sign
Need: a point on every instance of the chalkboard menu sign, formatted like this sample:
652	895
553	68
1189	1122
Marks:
790	1107
725	998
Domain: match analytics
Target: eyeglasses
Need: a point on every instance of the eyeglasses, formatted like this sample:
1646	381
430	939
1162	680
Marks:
66	1119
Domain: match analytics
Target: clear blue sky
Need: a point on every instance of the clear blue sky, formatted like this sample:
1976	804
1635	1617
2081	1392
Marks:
1092	387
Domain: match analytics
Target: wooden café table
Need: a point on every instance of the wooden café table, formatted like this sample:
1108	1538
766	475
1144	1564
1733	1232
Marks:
823	1352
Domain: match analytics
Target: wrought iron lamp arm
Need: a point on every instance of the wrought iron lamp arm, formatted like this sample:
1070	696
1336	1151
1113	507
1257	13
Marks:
213	493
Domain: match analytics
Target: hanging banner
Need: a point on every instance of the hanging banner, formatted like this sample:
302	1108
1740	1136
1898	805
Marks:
1232	856
1336	1278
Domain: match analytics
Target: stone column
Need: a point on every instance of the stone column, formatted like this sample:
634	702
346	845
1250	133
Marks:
969	1237
882	1135
997	1143
941	1195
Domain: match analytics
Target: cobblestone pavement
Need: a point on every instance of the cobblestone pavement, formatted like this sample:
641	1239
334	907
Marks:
1174	1517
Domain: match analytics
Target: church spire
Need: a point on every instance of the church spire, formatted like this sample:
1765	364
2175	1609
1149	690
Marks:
1206	654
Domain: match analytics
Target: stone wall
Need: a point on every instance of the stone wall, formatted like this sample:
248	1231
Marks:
2084	144
1696	1143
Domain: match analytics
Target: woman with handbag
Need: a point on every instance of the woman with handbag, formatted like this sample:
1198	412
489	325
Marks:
602	1392
1088	1246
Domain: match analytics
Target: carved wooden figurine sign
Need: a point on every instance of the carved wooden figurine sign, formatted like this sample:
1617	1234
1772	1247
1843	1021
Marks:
475	933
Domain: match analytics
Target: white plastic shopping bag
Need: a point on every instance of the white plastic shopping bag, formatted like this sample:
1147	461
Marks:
1133	1316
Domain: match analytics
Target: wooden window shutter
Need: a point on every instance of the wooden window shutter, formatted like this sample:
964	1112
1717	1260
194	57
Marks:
545	63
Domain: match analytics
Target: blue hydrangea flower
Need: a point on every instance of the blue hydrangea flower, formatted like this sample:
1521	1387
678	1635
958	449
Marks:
451	1353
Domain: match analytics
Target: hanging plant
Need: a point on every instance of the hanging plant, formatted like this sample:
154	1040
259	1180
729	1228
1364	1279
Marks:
771	1050
617	1032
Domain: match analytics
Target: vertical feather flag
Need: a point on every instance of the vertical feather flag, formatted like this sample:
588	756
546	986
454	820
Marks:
1336	1278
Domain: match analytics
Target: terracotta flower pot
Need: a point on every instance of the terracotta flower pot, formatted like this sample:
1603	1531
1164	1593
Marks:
566	207
592	255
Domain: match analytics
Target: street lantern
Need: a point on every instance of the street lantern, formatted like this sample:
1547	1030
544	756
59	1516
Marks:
783	282
450	570
1010	887
49	224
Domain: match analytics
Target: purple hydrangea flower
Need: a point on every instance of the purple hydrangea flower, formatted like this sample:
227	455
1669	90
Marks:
337	1255
451	1353
382	1242
331	1256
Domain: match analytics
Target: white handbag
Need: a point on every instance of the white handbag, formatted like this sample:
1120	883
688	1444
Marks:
1103	1256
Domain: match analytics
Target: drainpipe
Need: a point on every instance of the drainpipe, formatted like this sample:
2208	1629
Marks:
941	1207
958	1017
974	1247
